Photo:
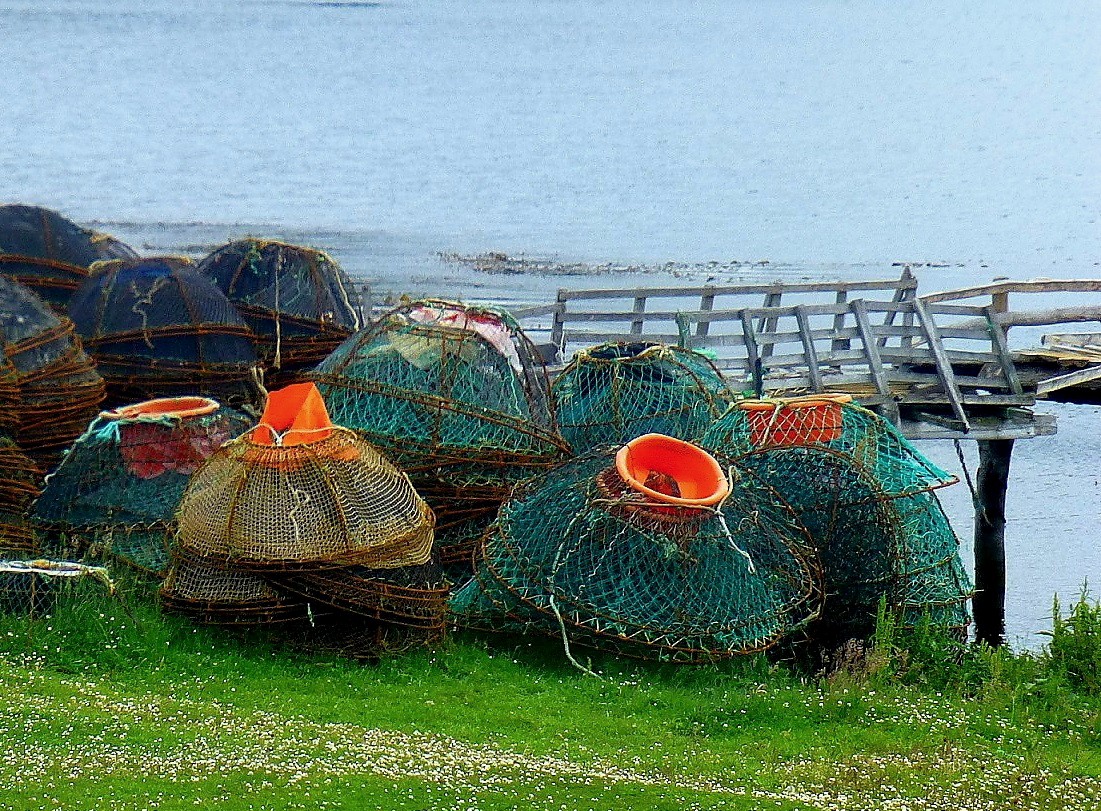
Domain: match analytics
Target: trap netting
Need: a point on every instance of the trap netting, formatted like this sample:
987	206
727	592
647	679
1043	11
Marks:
617	391
51	254
211	594
32	588
316	511
833	422
157	327
457	396
117	489
59	389
413	597
864	494
583	553
20	480
299	301
299	493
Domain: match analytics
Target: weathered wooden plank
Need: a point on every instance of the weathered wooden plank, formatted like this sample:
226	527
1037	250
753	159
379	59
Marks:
950	331
1076	378
730	338
532	311
707	304
940	399
966	311
920	426
752	355
558	327
1001	345
638	309
768	323
944	366
840	301
734	290
809	351
962	381
593	337
871	348
1030	286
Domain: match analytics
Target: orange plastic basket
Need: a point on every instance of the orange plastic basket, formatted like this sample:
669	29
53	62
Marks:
697	474
812	420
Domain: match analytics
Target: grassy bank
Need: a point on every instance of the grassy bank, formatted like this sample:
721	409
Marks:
106	707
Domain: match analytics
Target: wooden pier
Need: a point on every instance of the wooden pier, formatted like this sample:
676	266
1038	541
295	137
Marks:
939	365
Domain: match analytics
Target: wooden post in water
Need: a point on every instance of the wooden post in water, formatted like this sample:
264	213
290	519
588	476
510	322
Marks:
988	603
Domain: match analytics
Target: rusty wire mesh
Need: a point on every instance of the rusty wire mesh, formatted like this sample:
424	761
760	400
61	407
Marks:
20	480
59	389
212	594
413	597
117	489
333	502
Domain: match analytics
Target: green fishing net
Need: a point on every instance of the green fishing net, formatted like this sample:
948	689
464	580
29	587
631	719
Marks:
576	553
864	494
456	396
617	391
118	487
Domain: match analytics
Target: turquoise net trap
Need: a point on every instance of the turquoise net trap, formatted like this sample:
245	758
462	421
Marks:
617	391
580	554
116	492
457	396
865	495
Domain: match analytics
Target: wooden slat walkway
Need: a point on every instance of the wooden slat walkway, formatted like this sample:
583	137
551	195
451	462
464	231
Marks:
938	364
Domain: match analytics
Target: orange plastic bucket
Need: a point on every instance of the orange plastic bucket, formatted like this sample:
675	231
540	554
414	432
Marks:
171	407
294	415
813	420
697	474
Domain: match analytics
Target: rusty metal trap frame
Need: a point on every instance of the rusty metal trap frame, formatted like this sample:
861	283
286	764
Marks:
865	495
408	596
20	480
298	300
157	328
116	491
32	588
332	502
568	557
616	391
60	390
212	594
50	254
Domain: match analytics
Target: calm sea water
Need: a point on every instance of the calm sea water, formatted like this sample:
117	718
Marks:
829	138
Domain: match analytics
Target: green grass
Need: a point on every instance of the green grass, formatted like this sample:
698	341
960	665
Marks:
128	709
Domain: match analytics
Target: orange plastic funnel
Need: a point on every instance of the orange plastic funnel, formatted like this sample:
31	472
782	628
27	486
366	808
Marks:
172	407
697	474
294	415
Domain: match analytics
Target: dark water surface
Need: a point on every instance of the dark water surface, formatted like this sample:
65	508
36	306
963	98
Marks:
828	138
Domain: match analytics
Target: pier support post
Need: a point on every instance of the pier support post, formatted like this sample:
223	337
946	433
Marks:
988	603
